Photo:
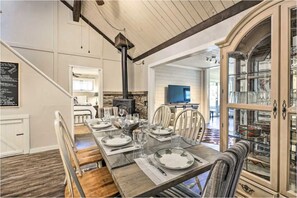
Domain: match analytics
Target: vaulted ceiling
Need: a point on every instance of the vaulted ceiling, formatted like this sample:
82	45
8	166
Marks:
151	24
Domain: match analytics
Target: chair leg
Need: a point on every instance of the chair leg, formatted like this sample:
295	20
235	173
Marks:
198	184
99	164
65	181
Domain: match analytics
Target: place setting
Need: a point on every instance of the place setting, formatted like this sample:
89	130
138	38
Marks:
168	163
117	143
160	133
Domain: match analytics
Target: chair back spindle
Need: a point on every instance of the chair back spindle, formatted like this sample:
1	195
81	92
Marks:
162	115
190	124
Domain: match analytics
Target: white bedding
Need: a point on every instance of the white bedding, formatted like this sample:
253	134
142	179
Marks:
83	107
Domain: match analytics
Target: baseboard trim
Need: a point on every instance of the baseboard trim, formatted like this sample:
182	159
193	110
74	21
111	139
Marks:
45	148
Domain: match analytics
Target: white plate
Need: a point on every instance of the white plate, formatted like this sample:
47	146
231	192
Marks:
162	131
116	140
101	125
174	158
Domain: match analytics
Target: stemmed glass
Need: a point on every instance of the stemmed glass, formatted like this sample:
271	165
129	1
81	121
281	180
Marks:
159	127
122	122
142	138
106	115
122	112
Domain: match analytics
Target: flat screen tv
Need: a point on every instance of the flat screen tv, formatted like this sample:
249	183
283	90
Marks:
178	94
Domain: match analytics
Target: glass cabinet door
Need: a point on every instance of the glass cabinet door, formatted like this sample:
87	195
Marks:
288	132
292	102
250	108
249	70
253	126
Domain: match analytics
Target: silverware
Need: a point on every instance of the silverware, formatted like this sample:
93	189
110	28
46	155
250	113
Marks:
197	159
116	149
151	163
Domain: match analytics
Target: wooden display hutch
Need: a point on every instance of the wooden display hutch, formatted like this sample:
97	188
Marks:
259	99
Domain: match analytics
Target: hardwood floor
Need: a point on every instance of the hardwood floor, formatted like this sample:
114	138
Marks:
42	174
34	175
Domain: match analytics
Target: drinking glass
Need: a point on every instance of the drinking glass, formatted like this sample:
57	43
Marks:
136	117
136	143
106	114
175	141
122	112
159	127
122	123
142	138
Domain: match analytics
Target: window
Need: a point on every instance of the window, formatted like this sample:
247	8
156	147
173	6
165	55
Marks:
80	84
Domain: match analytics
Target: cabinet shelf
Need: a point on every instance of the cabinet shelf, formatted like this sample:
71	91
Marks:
250	139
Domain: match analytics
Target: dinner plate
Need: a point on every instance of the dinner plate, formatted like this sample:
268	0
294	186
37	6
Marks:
166	131
174	158
116	140
101	125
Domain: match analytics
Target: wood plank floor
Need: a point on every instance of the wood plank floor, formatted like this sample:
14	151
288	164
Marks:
34	175
42	174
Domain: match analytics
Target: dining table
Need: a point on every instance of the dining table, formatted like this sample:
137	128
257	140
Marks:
128	176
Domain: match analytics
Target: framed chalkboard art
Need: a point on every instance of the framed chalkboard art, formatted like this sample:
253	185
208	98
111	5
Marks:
9	84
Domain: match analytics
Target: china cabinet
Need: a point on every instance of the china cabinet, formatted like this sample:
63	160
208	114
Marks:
259	100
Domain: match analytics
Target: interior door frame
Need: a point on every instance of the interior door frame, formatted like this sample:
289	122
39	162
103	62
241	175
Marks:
100	87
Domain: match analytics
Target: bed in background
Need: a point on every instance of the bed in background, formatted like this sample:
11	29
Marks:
82	111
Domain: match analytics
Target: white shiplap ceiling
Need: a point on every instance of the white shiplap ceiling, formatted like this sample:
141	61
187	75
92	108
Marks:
149	23
204	59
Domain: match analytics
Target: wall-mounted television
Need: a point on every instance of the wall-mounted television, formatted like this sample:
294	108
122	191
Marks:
178	94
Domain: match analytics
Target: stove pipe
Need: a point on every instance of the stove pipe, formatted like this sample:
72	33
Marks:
124	72
123	44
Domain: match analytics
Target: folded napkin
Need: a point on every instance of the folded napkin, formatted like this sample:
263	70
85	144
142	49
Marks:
111	128
108	149
156	176
162	138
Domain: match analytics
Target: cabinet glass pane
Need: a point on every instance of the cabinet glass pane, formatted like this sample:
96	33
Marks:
253	126
293	59
293	155
249	68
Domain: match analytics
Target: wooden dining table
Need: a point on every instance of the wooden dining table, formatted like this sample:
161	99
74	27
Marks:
131	181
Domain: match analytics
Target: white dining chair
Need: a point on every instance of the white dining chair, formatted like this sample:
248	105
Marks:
162	115
190	124
223	176
83	156
94	183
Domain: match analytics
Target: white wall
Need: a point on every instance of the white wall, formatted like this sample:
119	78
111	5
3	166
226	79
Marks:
39	97
43	31
190	45
167	75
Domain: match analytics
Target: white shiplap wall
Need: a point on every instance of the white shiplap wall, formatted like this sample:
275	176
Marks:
166	75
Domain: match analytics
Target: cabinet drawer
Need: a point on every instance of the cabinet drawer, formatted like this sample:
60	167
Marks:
246	189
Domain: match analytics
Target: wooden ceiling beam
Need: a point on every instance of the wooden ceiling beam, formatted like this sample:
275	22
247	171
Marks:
100	2
76	10
92	25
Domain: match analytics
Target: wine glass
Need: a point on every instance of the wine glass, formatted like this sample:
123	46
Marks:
136	117
106	114
142	138
122	112
122	123
159	127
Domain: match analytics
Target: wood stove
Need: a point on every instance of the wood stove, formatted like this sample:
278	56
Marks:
123	44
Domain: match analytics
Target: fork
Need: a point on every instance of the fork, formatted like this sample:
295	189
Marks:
151	163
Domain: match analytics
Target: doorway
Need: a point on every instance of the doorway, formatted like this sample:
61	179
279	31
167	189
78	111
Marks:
85	85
